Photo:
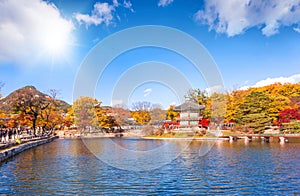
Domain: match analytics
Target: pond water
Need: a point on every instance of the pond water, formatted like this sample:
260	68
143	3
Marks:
69	167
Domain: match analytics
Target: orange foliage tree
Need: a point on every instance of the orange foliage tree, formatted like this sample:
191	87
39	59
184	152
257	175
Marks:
30	102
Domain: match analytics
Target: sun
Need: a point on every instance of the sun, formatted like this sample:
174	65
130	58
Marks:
56	37
55	43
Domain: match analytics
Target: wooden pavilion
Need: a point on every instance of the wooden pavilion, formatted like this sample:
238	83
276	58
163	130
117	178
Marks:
189	114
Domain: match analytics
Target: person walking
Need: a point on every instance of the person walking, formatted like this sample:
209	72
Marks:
1	136
4	136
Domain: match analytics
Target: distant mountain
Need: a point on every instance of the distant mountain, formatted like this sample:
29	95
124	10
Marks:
5	103
63	105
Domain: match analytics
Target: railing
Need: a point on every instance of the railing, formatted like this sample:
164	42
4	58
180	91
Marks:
265	135
24	139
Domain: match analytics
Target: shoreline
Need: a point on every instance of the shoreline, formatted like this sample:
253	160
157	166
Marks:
98	135
10	152
144	137
184	138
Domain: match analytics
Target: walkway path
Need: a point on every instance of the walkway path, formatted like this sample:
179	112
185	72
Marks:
24	139
13	150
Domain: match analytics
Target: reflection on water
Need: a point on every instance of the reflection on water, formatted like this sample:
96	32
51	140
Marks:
68	167
135	155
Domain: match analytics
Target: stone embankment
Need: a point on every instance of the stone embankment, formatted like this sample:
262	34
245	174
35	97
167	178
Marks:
14	150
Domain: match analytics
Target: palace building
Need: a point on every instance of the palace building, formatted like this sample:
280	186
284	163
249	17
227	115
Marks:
189	114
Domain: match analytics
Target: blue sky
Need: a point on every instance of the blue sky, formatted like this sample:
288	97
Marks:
43	43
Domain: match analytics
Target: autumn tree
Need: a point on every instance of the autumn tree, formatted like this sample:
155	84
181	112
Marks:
291	127
30	102
279	103
253	113
287	89
287	115
104	116
201	97
3	116
243	107
141	112
197	96
157	113
54	93
281	95
16	120
84	113
121	115
233	101
289	120
295	102
215	104
216	109
23	120
68	119
52	116
171	114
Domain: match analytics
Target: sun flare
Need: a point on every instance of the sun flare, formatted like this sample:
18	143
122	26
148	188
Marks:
56	39
55	44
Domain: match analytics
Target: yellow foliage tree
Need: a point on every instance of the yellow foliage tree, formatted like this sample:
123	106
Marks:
171	114
142	117
141	112
68	120
2	117
105	117
234	99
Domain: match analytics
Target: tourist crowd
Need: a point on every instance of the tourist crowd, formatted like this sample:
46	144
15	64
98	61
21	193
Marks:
9	134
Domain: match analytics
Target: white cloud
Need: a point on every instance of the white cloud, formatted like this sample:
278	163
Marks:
244	87
163	3
29	27
215	89
115	3
103	13
269	81
128	5
236	16
173	103
297	29
147	92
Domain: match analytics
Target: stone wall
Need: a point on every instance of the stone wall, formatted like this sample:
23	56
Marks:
14	150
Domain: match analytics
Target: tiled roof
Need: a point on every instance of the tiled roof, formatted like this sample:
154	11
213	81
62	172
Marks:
188	105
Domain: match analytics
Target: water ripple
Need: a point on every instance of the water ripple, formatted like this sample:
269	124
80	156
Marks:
66	167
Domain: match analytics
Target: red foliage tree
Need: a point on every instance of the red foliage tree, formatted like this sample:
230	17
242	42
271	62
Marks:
204	122
285	116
